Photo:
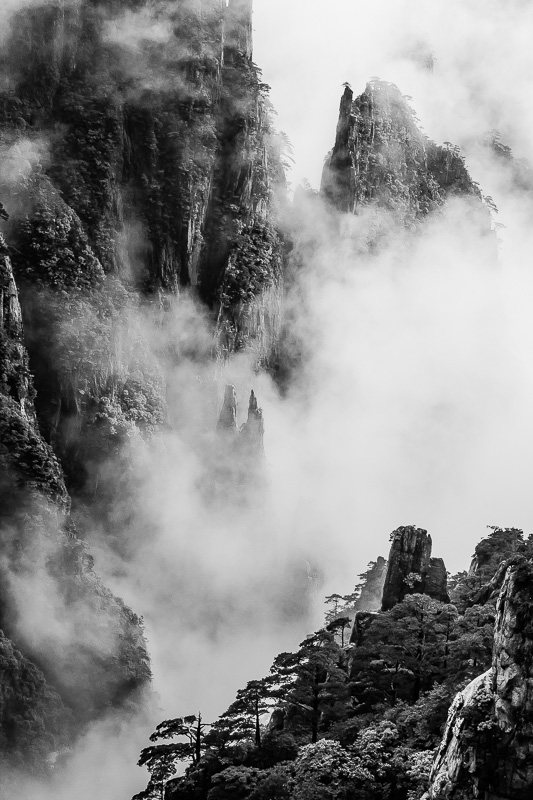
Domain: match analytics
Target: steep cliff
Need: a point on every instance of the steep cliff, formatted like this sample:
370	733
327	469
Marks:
69	649
138	163
412	570
143	164
381	156
487	749
26	460
160	120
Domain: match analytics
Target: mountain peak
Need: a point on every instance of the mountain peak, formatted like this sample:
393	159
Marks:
381	155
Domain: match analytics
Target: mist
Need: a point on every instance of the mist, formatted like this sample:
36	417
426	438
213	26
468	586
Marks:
466	66
411	405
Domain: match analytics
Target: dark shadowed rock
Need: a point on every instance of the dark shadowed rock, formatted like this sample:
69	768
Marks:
487	749
362	622
436	580
411	570
25	457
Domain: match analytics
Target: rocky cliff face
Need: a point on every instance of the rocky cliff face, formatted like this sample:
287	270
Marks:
412	570
143	164
487	749
137	163
164	130
52	684
26	460
380	155
238	449
371	595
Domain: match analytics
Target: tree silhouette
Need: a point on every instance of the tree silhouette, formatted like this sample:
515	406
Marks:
161	760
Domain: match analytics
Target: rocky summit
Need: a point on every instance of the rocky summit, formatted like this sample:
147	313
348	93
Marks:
411	569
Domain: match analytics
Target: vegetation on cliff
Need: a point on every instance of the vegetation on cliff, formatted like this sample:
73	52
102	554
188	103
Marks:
341	720
161	173
382	156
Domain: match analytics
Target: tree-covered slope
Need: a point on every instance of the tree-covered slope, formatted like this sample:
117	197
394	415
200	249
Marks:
364	719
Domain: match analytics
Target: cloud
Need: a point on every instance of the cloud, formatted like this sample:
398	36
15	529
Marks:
101	762
18	160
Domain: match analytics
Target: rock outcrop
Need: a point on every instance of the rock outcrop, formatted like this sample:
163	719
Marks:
380	155
252	432
412	570
227	421
362	622
487	749
248	438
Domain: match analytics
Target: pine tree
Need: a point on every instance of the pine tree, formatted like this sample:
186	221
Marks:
312	684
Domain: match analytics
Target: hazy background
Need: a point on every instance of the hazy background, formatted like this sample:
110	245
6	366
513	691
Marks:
447	333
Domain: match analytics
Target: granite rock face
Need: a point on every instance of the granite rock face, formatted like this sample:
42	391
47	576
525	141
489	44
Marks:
25	458
380	155
412	570
163	149
487	749
159	182
46	700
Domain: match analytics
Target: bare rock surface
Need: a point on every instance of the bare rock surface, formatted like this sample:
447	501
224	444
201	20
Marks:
412	570
487	749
